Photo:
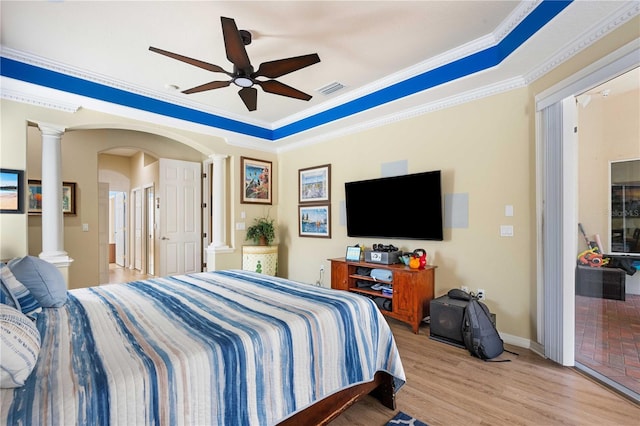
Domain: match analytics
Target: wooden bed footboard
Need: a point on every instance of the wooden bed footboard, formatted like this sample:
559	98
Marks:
322	412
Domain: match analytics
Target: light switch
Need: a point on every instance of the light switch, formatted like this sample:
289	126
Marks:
506	230
240	226
85	227
243	215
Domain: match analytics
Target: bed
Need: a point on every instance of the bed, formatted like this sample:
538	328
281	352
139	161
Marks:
226	347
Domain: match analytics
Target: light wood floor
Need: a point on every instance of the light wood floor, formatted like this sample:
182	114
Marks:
118	274
446	386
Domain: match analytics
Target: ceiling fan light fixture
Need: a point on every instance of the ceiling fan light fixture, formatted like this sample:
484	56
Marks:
243	82
243	72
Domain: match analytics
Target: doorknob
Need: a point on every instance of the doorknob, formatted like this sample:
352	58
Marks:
164	238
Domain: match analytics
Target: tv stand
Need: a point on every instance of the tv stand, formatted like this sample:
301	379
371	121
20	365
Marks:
413	289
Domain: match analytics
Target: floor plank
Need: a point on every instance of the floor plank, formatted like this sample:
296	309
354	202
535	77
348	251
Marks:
446	386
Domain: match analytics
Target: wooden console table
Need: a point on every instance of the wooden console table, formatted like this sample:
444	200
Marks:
413	289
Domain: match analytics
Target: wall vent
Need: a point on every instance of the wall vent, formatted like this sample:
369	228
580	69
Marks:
331	88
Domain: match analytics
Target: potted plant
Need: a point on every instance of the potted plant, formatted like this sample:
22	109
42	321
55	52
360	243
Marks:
262	232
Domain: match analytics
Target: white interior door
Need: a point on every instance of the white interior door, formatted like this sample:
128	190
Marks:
120	228
103	231
150	229
138	230
179	217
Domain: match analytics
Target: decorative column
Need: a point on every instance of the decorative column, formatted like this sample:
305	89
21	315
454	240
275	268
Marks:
52	215
219	236
218	241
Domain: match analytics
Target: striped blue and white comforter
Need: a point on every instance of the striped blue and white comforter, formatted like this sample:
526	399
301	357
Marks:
226	347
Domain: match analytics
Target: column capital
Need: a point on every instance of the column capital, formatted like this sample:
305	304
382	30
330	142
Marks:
218	157
51	129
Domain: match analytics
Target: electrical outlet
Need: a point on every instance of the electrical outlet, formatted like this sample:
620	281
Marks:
464	288
481	294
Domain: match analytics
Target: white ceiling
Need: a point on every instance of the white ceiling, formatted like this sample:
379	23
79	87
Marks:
364	45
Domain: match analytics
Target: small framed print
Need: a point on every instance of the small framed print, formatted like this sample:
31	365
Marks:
256	181
69	198
34	197
353	254
314	184
314	221
11	191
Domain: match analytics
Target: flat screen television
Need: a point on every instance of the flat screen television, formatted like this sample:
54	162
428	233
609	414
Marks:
402	207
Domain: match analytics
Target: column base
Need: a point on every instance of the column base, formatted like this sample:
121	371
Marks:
60	260
212	252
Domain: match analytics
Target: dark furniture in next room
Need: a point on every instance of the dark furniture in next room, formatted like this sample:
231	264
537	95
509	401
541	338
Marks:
606	283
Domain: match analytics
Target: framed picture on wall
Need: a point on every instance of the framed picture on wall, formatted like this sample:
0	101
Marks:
256	181
11	191
314	221
34	197
314	184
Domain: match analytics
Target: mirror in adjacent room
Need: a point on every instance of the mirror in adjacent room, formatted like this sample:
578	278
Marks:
625	206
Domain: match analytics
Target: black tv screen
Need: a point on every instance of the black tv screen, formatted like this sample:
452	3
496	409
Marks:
403	207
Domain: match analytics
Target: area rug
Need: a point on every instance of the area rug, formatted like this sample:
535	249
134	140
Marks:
405	419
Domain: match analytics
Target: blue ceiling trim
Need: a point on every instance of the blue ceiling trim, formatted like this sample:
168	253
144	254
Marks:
471	64
55	80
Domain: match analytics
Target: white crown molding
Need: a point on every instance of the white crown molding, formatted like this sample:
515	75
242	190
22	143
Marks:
605	26
121	85
484	42
39	101
621	16
513	20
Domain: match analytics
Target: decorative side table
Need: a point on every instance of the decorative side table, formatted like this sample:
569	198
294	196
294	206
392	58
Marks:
262	259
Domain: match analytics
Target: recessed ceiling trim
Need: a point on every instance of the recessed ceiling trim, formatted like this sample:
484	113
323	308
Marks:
462	67
40	101
476	62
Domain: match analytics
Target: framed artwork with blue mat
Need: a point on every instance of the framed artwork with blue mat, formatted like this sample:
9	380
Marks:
405	419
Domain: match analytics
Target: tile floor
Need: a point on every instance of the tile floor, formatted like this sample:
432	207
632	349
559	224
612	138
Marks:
608	338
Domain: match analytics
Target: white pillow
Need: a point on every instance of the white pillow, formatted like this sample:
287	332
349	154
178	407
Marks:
19	347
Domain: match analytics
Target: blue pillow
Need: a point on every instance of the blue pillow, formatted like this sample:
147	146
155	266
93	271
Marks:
23	298
6	298
43	280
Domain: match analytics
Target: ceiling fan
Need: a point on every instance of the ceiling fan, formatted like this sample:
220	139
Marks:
243	74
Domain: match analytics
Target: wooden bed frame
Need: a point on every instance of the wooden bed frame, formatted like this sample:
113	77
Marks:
322	412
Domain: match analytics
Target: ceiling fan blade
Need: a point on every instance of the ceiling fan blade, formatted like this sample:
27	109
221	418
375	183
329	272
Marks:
275	69
195	62
277	88
249	96
208	86
236	52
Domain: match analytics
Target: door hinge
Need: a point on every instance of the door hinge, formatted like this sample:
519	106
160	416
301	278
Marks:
204	205
204	235
204	266
204	176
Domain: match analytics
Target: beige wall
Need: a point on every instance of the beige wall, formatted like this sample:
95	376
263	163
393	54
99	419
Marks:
80	153
485	149
89	133
482	149
608	130
13	155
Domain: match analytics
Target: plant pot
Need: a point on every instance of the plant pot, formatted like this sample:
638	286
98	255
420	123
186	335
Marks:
262	241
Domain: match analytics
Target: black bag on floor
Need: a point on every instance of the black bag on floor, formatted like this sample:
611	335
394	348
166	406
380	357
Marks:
478	332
